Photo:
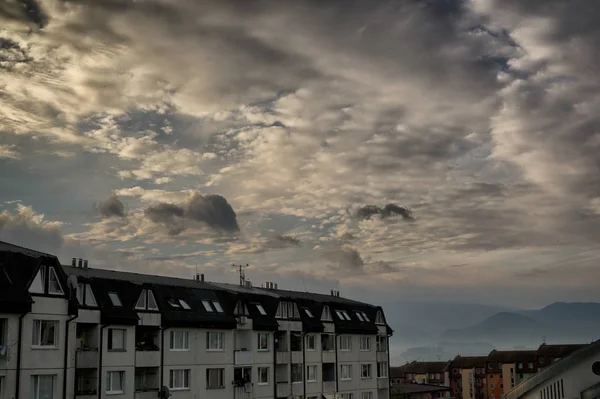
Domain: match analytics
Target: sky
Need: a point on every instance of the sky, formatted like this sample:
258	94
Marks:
438	150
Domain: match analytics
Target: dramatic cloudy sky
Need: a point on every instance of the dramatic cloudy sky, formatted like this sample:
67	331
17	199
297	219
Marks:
398	149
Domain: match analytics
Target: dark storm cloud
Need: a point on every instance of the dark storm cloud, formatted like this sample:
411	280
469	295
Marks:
344	259
110	207
25	11
212	210
281	241
390	210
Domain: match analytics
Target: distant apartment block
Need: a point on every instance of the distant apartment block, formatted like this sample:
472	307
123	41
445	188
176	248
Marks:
80	332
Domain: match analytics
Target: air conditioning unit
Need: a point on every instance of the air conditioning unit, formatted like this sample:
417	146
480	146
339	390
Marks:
242	320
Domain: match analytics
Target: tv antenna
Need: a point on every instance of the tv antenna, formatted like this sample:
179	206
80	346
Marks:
240	269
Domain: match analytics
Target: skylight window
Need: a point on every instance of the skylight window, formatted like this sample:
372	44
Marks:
261	310
173	303
364	315
217	306
359	316
340	315
114	298
207	306
309	313
184	304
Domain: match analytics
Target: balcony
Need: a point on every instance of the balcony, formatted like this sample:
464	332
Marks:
147	358
383	383
283	389
86	383
87	358
328	387
282	357
149	394
242	357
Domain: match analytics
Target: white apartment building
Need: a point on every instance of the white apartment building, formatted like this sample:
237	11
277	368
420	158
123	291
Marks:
85	333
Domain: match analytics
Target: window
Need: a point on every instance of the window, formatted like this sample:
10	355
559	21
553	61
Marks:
42	386
116	339
366	395
115	382
520	366
365	343
151	301
346	372
214	378
45	333
364	315
347	396
263	375
359	316
311	373
3	330
261	310
365	370
217	306
53	283
214	341
345	342
207	306
327	342
146	378
382	369
173	303
437	376
343	315
379	318
37	285
326	315
311	342
491	386
382	346
184	304
180	341
89	299
114	298
296	372
282	311
263	341
530	365
141	302
308	313
179	379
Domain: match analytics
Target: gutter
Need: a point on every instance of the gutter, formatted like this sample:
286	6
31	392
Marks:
100	350
19	349
66	355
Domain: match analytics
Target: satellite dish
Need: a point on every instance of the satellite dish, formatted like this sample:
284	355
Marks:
72	281
164	393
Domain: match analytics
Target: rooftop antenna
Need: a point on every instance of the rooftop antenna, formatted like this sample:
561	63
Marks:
544	339
240	269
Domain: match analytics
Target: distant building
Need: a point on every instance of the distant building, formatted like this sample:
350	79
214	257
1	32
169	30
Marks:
467	377
422	373
506	369
575	376
419	391
548	354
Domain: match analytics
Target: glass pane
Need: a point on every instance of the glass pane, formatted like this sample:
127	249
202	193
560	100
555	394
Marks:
37	286
53	284
151	301
184	304
90	300
141	302
207	306
48	331
46	386
114	298
80	289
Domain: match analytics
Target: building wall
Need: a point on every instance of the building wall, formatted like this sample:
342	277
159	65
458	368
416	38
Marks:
468	383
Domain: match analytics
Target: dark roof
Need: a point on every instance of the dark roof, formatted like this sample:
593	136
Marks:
555	369
128	294
423	367
558	351
420	388
8	247
468	362
511	356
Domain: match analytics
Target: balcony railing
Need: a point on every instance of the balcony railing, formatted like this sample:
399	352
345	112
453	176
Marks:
242	357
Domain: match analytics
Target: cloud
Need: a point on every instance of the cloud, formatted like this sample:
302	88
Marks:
8	152
30	229
368	211
283	241
112	206
344	259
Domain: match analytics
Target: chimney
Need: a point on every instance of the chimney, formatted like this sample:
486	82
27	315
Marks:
80	263
74	262
275	286
337	293
85	264
202	277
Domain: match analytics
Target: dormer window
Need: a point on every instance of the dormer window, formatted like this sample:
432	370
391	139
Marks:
359	316
287	310
85	296
38	285
114	298
326	315
174	303
379	318
343	315
146	301
241	309
53	283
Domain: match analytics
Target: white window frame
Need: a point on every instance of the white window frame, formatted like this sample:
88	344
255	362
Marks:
51	273
345	372
359	316
368	367
309	346
143	297
347	395
309	313
221	377
345	343
109	382
364	315
261	309
185	335
221	341
326	314
259	344
37	333
382	369
311	373
184	379
379	319
365	344
366	395
260	371
207	306
217	306
184	304
151	295
35	385
111	336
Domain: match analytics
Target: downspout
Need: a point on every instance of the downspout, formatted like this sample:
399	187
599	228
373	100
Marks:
304	365
66	355
387	347
275	347
162	357
337	380
19	349
100	350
